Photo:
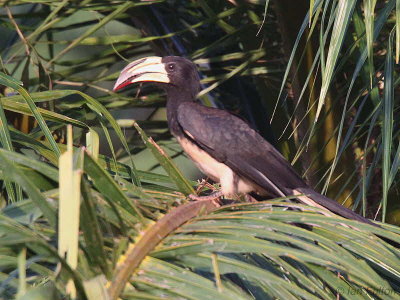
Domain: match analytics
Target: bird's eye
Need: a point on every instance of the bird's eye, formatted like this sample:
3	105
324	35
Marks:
171	67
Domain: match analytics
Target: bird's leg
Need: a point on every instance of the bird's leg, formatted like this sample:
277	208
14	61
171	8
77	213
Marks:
212	196
250	198
202	183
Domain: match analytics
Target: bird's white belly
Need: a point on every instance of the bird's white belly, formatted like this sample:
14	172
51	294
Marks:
231	183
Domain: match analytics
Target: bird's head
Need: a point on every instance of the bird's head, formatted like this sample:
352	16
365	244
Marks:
172	73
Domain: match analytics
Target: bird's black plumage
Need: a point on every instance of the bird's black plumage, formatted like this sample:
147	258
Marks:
221	144
231	141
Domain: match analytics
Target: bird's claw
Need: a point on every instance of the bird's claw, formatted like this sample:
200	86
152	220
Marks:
213	196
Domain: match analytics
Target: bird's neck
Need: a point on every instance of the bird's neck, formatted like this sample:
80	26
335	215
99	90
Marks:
176	97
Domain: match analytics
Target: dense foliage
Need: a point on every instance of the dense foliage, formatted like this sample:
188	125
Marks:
83	183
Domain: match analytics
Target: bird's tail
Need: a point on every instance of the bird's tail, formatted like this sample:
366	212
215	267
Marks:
314	198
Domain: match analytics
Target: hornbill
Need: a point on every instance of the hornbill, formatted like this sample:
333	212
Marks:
222	145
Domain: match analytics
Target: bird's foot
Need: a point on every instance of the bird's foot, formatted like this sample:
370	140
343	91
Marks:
250	198
213	196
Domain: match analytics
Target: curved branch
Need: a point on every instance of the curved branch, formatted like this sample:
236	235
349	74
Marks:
151	238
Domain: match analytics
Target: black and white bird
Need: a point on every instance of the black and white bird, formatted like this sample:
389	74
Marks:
223	146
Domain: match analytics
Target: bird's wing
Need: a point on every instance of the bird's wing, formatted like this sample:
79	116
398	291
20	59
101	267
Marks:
231	141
